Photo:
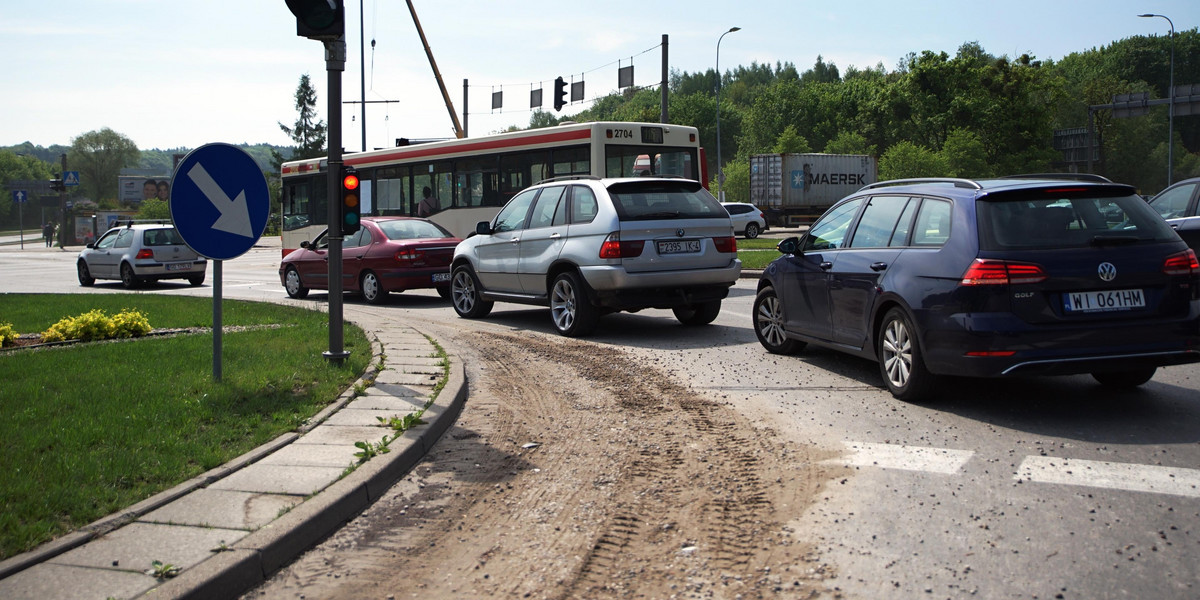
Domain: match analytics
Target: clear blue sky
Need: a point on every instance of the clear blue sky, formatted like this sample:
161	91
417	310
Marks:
167	73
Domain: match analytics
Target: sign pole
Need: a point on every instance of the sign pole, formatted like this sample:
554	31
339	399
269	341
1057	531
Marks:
335	63
218	328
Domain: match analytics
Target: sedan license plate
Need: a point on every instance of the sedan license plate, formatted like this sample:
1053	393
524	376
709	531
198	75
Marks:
441	277
179	266
679	247
1103	301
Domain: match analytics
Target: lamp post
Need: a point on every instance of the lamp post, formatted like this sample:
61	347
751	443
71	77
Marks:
1171	104
720	167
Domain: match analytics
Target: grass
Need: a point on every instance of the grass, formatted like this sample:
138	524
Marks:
90	429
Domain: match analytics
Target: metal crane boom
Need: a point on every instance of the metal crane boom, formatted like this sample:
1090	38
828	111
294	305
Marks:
458	131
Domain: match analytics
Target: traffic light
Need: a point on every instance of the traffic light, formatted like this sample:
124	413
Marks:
351	205
319	19
560	93
57	185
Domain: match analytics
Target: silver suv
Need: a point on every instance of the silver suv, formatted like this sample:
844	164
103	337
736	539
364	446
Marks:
586	246
137	252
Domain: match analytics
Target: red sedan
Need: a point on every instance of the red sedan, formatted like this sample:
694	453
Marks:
387	254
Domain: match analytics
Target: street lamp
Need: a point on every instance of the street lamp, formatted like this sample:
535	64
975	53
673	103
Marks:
720	168
1171	103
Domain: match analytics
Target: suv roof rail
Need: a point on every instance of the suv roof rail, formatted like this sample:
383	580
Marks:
955	181
1066	176
567	178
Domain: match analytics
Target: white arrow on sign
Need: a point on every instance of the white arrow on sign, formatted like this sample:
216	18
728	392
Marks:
235	214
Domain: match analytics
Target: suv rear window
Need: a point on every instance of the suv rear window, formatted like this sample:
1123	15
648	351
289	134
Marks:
653	200
1074	221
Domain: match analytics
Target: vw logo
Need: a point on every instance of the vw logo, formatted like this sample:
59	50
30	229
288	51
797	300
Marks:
1107	271
679	232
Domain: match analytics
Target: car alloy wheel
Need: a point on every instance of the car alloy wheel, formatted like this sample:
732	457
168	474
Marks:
768	324
128	279
900	360
85	276
464	295
751	230
573	315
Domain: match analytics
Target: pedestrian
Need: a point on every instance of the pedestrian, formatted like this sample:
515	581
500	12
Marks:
48	233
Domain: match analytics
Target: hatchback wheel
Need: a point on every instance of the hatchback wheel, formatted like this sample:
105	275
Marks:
698	314
372	289
85	276
128	279
573	314
768	324
464	294
900	360
1124	379
751	230
291	283
196	279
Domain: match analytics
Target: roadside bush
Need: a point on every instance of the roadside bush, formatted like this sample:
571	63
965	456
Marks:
95	325
8	335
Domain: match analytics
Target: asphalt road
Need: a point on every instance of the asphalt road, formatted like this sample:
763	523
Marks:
1024	488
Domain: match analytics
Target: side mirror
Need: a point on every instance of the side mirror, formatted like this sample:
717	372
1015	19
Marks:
789	245
483	228
304	244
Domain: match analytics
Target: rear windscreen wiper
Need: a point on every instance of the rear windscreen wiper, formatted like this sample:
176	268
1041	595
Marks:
1114	240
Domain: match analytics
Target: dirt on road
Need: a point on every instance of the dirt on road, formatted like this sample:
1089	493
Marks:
577	472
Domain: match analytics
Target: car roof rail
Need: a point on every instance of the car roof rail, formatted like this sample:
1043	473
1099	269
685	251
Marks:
567	178
132	222
1063	176
955	181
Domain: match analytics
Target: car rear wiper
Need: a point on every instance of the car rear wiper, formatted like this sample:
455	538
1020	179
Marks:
659	215
1114	240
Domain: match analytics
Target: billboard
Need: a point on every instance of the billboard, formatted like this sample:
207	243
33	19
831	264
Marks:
133	189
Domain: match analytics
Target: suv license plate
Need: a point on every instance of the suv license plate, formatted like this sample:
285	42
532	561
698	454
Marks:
441	277
679	247
1103	301
179	266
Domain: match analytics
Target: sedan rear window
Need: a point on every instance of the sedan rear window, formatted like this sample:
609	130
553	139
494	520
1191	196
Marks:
1074	221
412	229
648	201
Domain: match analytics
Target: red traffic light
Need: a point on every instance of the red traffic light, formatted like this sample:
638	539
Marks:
350	182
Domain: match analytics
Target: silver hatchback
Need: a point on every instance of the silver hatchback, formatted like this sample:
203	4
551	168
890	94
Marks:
138	252
586	246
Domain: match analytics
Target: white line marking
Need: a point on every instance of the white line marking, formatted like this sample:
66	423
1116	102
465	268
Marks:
908	458
1120	476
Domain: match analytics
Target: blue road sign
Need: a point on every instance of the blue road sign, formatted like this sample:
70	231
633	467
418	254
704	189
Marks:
70	177
20	196
219	201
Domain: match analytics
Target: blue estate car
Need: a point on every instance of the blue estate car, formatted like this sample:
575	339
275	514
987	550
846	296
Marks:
987	278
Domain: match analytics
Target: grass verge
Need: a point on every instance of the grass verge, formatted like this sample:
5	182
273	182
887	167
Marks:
92	428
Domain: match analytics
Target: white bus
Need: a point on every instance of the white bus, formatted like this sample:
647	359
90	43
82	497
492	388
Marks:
457	183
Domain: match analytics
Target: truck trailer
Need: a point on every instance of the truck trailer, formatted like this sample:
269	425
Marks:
795	189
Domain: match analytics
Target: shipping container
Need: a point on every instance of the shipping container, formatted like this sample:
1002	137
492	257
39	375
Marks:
797	188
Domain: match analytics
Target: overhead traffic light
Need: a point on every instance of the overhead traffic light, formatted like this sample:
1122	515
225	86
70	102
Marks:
560	93
351	203
319	19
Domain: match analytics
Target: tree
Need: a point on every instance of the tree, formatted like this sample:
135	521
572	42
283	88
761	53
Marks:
154	209
790	142
965	155
906	159
308	133
849	142
99	157
20	167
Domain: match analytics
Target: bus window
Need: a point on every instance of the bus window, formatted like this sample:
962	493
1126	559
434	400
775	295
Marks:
438	179
572	161
477	182
634	161
392	191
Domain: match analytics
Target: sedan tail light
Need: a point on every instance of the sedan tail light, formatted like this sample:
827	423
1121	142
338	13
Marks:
613	247
1183	263
725	244
1002	272
145	253
409	255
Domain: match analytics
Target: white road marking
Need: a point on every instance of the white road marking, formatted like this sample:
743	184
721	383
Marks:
1119	476
908	458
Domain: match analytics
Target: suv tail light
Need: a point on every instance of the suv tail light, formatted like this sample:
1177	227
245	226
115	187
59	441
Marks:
1182	263
144	253
725	244
1002	272
613	247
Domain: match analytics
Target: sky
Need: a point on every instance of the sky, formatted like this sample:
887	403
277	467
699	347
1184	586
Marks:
170	74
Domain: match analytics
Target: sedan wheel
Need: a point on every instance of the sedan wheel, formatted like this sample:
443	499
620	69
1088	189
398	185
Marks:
85	276
291	283
573	314
900	360
372	289
768	324
751	230
464	295
128	279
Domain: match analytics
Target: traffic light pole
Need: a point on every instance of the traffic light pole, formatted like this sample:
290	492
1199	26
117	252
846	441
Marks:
335	63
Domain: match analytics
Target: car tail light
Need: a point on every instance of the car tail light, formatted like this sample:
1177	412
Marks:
145	253
1002	272
725	244
613	247
1183	263
408	255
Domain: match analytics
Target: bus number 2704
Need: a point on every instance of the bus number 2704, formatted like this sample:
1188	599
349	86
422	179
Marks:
623	133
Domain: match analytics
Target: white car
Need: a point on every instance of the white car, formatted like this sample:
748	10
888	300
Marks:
747	219
138	252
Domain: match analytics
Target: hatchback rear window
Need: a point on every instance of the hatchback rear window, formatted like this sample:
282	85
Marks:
1073	221
648	201
162	237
